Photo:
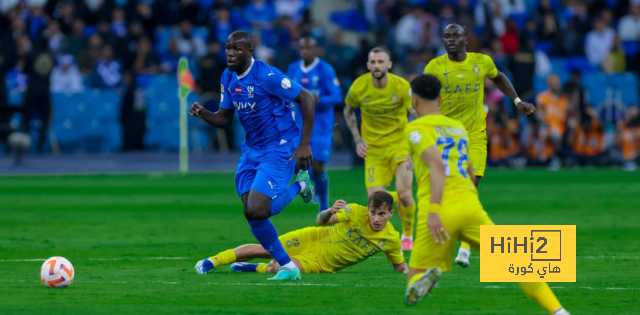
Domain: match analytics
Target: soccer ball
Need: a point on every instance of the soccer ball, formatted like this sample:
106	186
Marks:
57	272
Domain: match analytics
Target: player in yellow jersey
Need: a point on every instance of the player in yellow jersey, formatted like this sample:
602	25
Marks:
384	101
462	76
359	232
448	204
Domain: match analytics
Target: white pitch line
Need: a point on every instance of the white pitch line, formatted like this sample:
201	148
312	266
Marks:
309	284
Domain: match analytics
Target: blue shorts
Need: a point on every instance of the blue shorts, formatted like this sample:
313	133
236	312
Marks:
321	147
268	171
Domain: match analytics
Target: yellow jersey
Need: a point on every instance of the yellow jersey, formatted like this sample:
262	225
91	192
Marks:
352	240
453	143
463	87
384	111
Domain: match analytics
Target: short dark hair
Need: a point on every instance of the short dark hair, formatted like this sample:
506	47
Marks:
381	49
380	198
426	86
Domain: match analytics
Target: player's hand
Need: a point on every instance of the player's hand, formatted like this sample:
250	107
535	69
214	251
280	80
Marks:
361	149
437	229
303	153
338	206
527	108
197	110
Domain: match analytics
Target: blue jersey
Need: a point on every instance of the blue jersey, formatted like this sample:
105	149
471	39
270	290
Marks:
263	97
320	79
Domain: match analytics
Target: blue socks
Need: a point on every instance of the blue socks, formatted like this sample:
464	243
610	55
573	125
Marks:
283	199
266	234
322	189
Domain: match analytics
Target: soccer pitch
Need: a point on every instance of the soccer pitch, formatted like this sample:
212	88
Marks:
134	239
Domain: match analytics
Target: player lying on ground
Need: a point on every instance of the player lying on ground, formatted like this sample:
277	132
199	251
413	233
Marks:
449	209
359	233
384	101
462	76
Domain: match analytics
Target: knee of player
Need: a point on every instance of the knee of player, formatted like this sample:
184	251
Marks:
405	196
257	213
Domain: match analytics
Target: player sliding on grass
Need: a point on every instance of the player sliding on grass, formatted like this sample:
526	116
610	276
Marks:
263	98
359	233
448	204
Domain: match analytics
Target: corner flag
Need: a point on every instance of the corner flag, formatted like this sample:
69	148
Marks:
186	85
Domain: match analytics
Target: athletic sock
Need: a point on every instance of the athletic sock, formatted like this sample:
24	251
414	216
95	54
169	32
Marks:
465	245
415	278
541	293
262	268
283	199
266	234
408	217
223	258
289	266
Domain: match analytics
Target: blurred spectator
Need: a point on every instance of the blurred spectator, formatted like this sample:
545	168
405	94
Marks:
146	61
77	42
108	37
529	33
409	28
169	60
190	45
548	30
502	131
88	58
447	16
510	7
66	77
419	57
189	10
500	59
145	15
133	113
55	38
571	40
629	138
38	21
616	60
211	68
260	14
464	13
552	110
262	52
524	61
586	136
511	38
65	14
629	27
118	23
38	66
220	26
599	42
127	52
341	57
106	71
291	8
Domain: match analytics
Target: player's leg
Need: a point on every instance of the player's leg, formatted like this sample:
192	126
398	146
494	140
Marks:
239	254
274	267
404	180
538	291
321	184
378	172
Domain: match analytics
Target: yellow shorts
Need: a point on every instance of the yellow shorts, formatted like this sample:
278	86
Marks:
478	151
381	163
303	245
462	217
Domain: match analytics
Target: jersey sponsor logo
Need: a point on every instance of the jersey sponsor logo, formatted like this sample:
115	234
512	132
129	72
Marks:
244	107
250	90
476	69
285	83
467	88
238	90
415	137
305	80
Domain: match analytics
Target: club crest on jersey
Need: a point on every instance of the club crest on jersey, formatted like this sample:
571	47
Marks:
222	88
476	69
394	98
315	80
305	80
238	90
285	83
381	243
250	90
415	137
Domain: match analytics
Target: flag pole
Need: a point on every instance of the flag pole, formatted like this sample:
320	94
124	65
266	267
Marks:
185	85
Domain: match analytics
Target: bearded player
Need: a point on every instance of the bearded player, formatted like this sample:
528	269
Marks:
462	76
384	100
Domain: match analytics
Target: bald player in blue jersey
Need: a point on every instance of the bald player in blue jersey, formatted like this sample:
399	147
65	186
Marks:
320	79
263	97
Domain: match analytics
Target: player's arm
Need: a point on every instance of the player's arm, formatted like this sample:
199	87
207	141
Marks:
503	83
350	117
401	268
307	106
329	216
432	158
332	92
221	119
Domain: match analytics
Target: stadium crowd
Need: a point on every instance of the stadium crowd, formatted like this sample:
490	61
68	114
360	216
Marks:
555	51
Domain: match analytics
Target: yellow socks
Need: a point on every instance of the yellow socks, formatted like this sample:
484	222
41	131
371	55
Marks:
223	258
415	278
465	245
262	268
395	196
408	216
541	293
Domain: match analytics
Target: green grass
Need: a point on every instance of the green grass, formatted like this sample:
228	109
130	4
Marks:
109	226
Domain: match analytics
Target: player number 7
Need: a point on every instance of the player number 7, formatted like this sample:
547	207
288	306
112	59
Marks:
463	149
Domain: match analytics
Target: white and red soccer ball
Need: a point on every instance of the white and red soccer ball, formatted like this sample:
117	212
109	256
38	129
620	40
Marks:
57	272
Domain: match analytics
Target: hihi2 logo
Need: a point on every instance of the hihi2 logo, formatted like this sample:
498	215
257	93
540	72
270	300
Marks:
527	253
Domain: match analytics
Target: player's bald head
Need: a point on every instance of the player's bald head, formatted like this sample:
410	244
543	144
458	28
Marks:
240	38
455	27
